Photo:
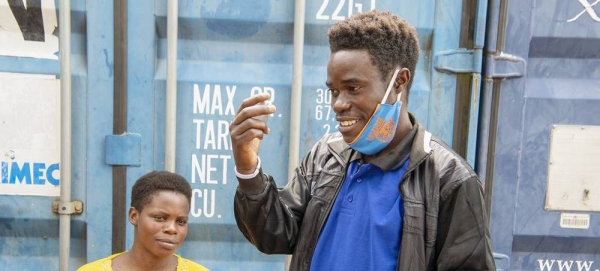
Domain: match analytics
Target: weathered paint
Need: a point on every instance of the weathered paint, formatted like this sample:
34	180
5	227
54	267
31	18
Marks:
228	50
559	87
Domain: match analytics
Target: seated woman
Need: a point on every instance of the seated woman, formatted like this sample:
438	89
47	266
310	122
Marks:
160	203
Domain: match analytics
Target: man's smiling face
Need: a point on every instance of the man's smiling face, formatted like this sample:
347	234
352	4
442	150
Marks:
356	90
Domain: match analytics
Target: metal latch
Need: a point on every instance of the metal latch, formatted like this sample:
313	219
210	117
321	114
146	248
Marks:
123	150
67	208
470	61
502	262
458	61
504	66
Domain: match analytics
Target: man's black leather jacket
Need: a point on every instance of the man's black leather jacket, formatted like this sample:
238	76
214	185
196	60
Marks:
444	224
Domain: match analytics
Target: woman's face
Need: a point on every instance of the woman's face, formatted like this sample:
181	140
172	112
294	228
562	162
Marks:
161	226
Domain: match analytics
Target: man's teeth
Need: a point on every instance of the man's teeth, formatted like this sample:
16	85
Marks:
348	122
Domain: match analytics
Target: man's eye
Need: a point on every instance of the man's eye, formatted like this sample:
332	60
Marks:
159	218
181	222
353	89
333	92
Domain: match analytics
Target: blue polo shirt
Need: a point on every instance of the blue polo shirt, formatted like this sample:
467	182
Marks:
364	228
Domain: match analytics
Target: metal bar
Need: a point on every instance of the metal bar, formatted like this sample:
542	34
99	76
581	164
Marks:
483	129
119	173
297	65
489	172
65	132
171	101
473	124
462	104
294	146
498	47
478	42
502	26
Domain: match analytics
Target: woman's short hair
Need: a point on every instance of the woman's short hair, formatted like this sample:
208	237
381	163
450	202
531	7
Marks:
148	185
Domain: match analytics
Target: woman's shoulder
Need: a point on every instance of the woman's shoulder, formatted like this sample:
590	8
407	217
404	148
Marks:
103	264
188	265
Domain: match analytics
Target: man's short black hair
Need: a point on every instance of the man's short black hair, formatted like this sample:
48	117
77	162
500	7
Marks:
390	41
148	185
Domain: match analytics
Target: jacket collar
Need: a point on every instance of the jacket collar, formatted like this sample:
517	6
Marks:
421	147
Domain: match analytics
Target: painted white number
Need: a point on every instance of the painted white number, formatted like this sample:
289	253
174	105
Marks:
324	96
336	13
320	15
319	112
328	128
358	8
260	90
348	4
322	112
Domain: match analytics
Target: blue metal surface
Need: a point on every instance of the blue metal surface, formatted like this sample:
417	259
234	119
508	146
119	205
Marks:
99	123
473	119
228	51
123	150
476	81
28	228
560	86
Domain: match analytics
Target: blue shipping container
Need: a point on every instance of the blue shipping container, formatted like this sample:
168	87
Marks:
540	68
539	134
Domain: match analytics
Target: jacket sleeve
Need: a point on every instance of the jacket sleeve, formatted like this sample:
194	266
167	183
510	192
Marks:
270	217
463	241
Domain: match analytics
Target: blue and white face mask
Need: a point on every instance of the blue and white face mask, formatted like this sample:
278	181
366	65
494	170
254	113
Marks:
381	127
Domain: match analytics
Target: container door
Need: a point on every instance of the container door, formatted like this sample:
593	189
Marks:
30	132
227	51
230	50
542	108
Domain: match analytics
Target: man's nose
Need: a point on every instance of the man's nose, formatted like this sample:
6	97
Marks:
340	103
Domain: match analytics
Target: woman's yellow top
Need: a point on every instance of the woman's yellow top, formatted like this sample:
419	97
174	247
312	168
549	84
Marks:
106	264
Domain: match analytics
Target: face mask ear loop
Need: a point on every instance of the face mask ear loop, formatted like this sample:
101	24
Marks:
389	88
399	97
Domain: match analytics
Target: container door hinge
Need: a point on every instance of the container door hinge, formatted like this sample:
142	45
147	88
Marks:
503	65
502	262
123	150
67	208
458	61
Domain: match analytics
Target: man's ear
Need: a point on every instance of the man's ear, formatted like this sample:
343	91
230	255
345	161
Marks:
134	216
402	80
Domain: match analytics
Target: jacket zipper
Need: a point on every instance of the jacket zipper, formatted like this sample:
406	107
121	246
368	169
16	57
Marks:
325	214
407	176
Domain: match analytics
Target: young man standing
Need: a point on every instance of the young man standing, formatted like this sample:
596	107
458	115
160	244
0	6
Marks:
380	194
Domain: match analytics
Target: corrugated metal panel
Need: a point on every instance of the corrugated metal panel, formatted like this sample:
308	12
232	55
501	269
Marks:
559	41
228	50
28	227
